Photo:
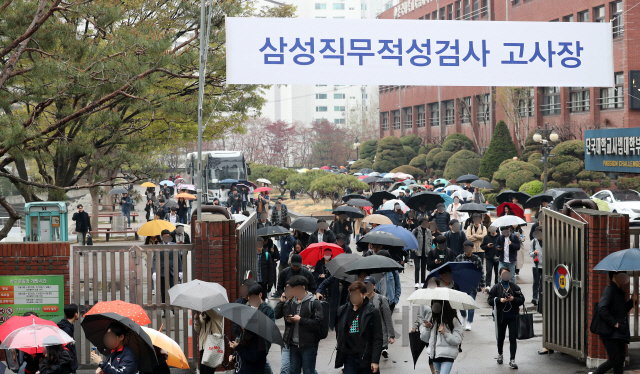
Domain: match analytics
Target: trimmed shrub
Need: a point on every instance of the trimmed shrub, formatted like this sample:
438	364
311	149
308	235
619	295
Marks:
438	173
514	167
588	175
457	136
561	159
368	149
553	184
361	164
496	185
606	182
500	148
409	152
534	159
440	159
426	148
429	160
420	161
532	188
390	154
566	172
573	148
573	185
492	198
454	145
624	183
412	141
515	180
461	163
588	186
407	169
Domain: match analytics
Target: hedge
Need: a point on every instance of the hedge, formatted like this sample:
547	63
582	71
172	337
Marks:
515	180
420	161
429	160
368	149
361	164
532	187
390	154
440	159
407	169
412	141
457	136
461	163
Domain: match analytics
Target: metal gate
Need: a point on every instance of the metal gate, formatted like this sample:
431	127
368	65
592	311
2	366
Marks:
564	294
246	235
105	273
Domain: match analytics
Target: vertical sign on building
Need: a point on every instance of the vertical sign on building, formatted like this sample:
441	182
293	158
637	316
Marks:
43	294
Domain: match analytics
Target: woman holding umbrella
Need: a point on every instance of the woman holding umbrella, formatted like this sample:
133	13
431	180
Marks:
444	333
121	360
320	271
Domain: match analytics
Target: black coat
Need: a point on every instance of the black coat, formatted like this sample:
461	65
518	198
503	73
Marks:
311	317
370	332
83	222
252	358
442	221
497	292
267	266
187	238
612	309
67	327
336	291
63	366
489	252
431	258
327	237
288	272
514	247
171	270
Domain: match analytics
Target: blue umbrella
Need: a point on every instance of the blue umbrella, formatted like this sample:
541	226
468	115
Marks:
490	207
465	274
439	189
393	216
167	183
228	181
409	181
407	237
447	199
625	260
441	181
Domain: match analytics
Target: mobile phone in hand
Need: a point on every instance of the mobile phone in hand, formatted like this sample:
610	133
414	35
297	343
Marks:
94	350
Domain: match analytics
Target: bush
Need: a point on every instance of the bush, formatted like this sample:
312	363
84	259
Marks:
330	184
409	152
390	154
553	184
532	188
588	186
440	159
514	167
588	175
461	163
628	183
534	159
531	146
515	180
429	160
425	149
420	161
606	182
438	173
573	148
407	169
368	149
412	141
561	159
566	172
573	185
361	164
468	143
500	148
496	185
453	145
492	198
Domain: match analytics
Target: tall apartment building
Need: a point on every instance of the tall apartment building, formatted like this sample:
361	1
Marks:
434	112
335	103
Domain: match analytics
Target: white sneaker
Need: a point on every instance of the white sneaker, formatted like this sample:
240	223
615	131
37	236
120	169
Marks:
417	285
464	321
467	327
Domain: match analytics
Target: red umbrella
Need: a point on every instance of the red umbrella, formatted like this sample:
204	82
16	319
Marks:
262	189
17	322
132	311
516	210
313	253
325	168
32	339
362	177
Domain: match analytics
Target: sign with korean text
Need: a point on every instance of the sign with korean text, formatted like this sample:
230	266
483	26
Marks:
417	52
43	294
612	150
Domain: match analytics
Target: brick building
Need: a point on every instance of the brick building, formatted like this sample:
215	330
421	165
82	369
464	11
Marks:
430	111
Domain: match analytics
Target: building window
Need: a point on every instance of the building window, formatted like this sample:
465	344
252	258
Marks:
598	14
617	18
613	97
421	116
396	120
338	96
363	6
321	109
427	17
583	16
385	121
321	6
484	107
338	6
408	118
434	15
321	85
434	114
555	20
526	102
338	108
568	18
449	112
550	101
450	11
484	11
579	97
442	13
458	9
465	109
515	2
365	96
476	8
466	9
321	96
320	120
339	121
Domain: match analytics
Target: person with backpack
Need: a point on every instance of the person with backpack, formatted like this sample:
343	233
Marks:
255	300
455	237
613	323
381	303
304	327
296	268
359	333
444	333
439	255
390	285
66	324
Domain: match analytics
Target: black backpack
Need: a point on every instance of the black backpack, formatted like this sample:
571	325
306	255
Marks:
324	329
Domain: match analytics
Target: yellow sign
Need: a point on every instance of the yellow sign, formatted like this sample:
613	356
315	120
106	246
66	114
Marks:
55	221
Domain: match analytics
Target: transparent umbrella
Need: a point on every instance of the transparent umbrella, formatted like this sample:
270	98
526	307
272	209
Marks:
31	339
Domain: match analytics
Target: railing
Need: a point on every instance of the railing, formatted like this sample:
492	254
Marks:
246	235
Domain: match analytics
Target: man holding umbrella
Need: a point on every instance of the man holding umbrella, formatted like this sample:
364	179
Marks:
121	360
126	204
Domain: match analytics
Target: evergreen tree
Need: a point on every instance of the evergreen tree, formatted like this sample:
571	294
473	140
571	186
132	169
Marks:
500	148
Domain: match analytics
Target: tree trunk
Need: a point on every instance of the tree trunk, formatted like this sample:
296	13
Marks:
26	191
95	208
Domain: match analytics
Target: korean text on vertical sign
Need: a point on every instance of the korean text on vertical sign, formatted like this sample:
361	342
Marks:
612	150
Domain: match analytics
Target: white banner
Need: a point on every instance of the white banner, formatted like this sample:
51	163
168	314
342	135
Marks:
417	52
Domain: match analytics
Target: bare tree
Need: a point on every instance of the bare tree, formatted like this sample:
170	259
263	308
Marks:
511	101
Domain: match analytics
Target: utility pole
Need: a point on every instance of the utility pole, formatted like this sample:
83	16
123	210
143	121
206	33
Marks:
201	71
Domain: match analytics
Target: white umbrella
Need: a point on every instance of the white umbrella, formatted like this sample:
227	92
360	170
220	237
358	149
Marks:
396	193
458	300
403	176
263	180
453	187
198	295
239	217
508	221
389	205
374	174
462	194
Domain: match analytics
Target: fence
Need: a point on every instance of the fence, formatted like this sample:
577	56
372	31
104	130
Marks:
246	235
105	273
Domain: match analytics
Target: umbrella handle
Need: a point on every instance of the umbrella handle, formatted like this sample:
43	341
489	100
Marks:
161	326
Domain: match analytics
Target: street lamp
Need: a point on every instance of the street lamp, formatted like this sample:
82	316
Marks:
546	137
356	145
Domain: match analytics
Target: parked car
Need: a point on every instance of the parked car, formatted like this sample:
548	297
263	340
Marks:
623	202
562	195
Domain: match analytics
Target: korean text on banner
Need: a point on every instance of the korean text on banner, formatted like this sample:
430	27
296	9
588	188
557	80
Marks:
414	52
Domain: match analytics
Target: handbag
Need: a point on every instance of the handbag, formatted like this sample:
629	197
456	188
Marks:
213	352
525	325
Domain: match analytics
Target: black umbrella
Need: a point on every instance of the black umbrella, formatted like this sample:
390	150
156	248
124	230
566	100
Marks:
95	327
118	190
377	197
371	179
417	346
251	319
366	171
473	207
273	231
171	203
359	203
338	264
467	178
350	211
483	184
373	264
428	198
385	180
346	198
305	224
536	200
506	196
381	237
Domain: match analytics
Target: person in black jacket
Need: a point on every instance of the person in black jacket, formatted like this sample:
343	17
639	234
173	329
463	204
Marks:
322	234
121	360
506	298
439	255
441	217
293	270
179	236
83	224
359	333
492	260
266	266
66	324
614	330
342	226
508	245
57	359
